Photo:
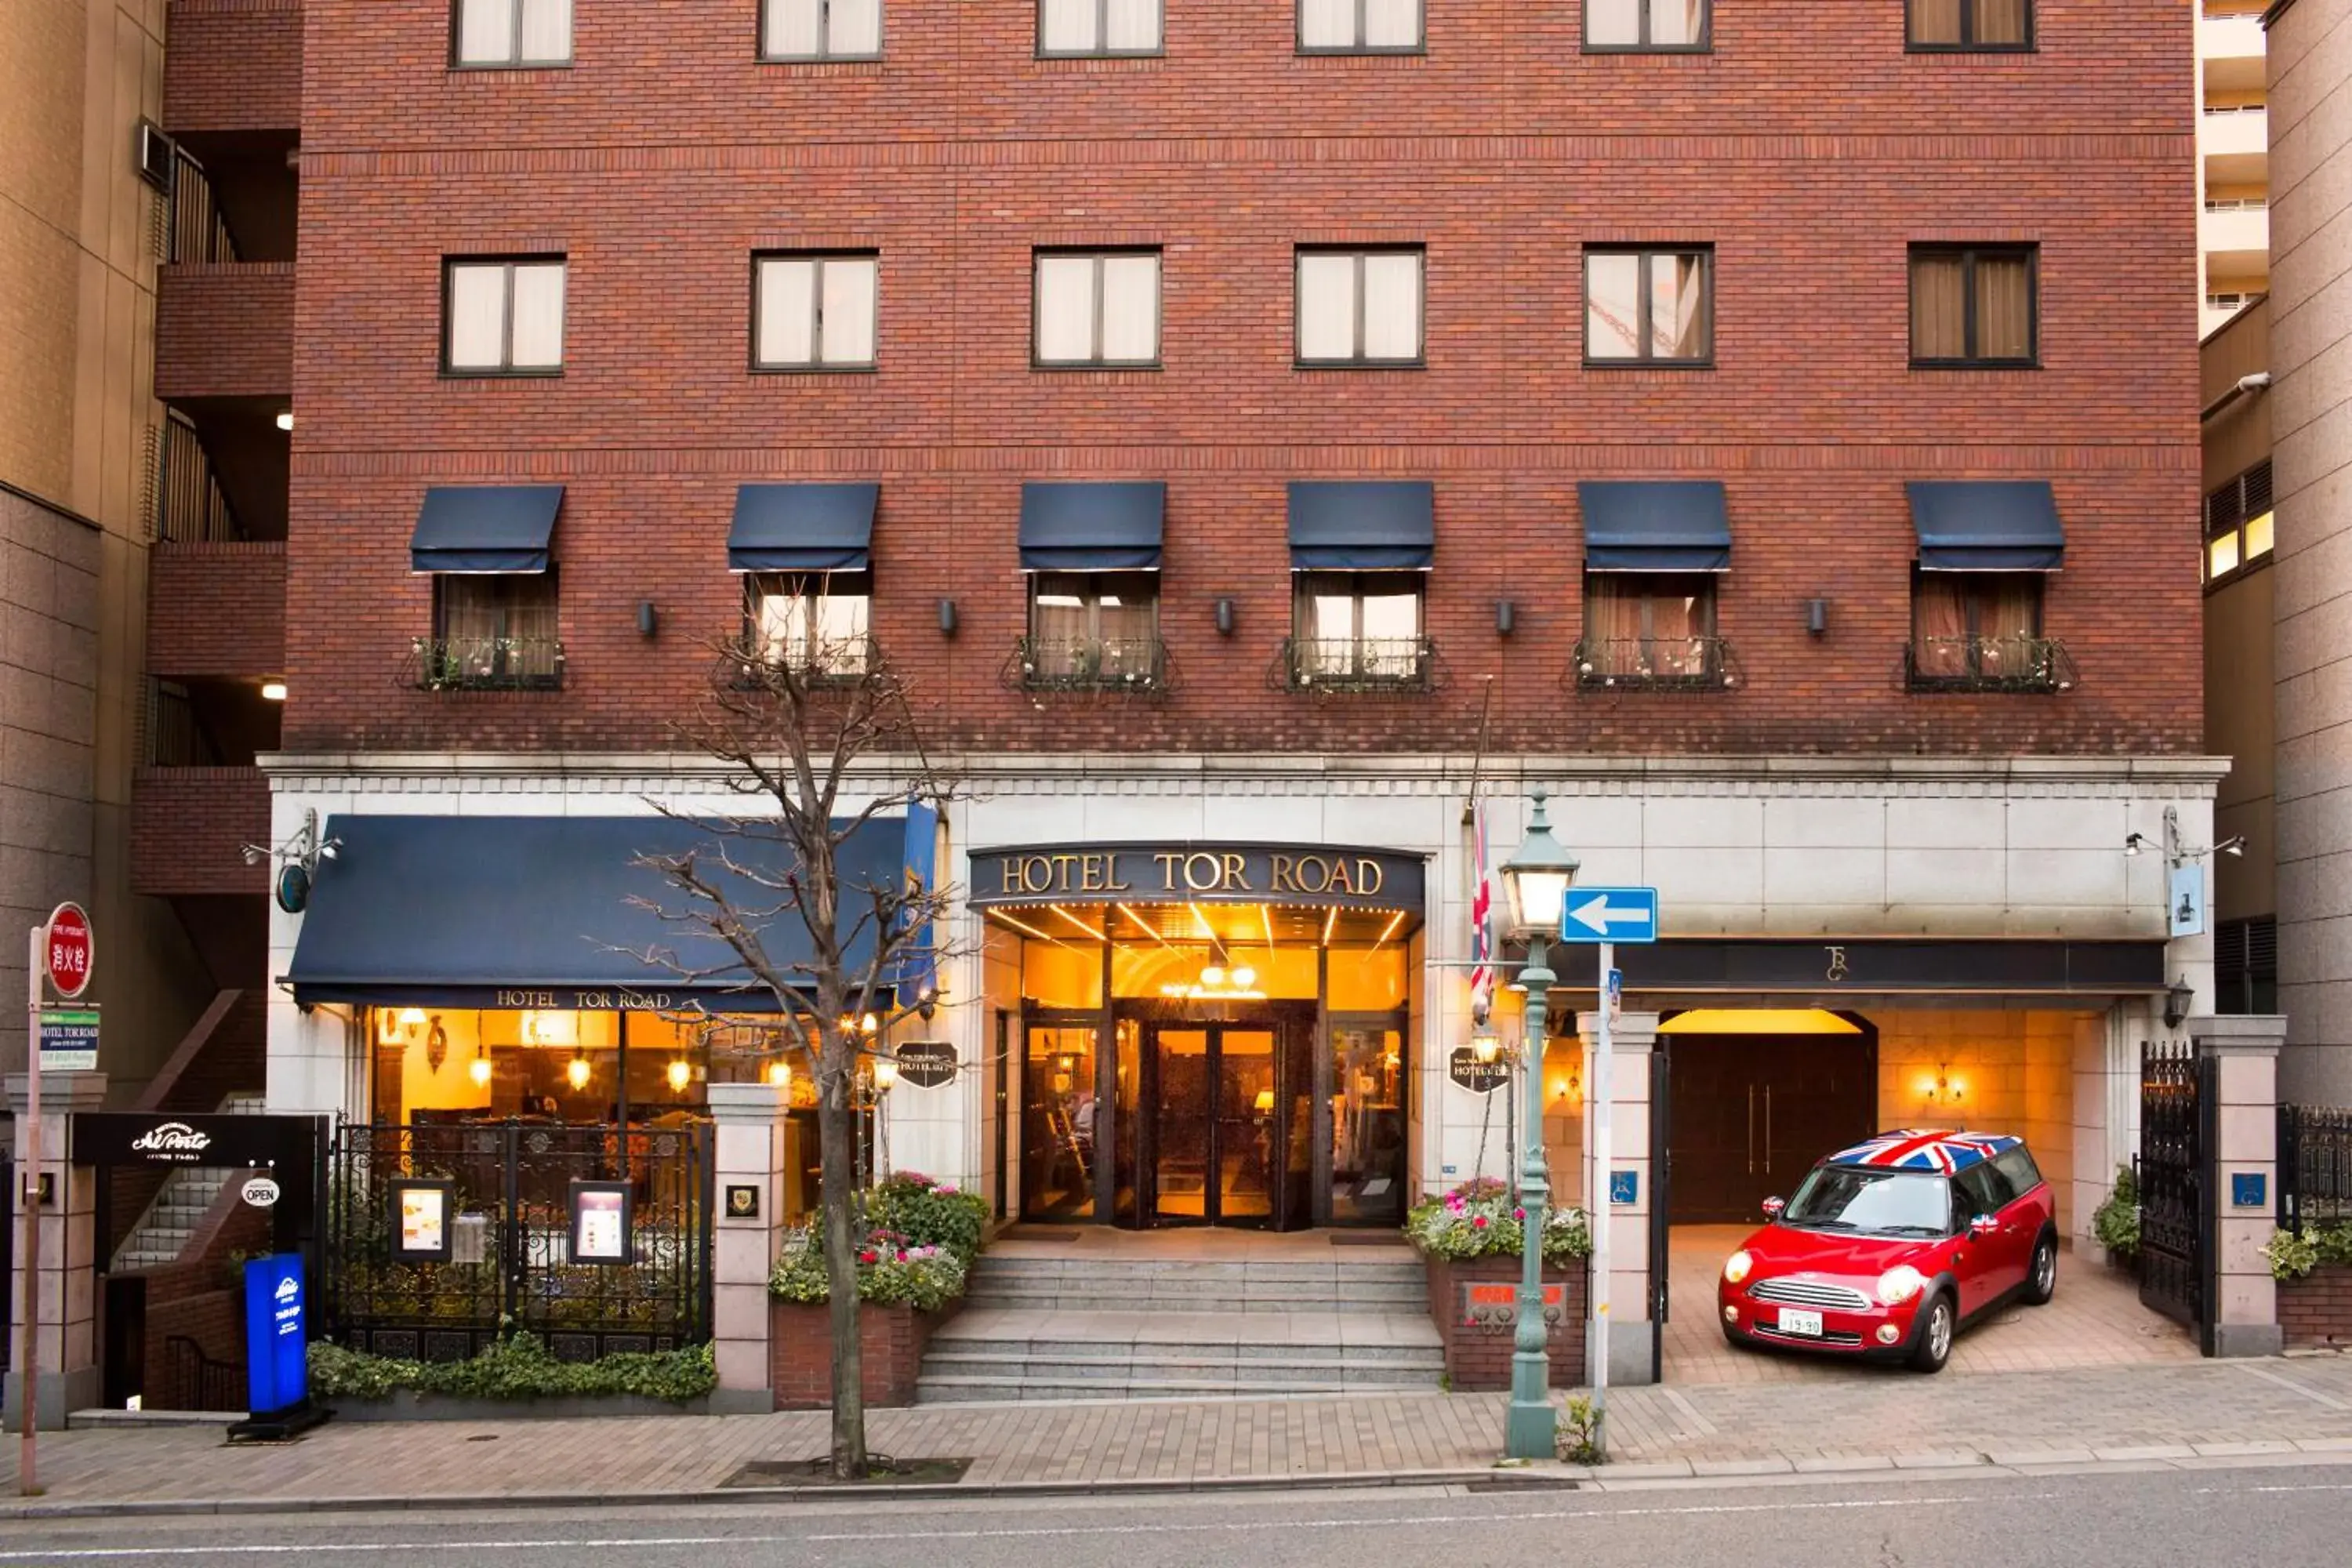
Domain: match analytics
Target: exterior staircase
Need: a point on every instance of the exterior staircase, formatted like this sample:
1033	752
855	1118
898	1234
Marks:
163	1231
1327	1320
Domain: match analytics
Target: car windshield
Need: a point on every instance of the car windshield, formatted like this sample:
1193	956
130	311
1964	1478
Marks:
1883	1202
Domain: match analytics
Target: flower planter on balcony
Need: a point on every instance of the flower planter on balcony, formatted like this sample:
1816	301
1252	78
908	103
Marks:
1469	1301
892	1339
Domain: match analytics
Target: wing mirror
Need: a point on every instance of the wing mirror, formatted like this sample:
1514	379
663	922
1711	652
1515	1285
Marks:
1772	1207
1984	1224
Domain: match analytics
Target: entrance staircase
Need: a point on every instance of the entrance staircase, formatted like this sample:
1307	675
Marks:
1127	1319
163	1231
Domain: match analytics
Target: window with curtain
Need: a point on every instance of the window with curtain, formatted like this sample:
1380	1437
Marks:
1973	305
1649	625
1359	307
817	623
1094	627
1363	625
1096	307
503	317
1646	25
495	629
512	33
1977	626
815	312
1649	306
1359	27
821	30
1068	28
1971	24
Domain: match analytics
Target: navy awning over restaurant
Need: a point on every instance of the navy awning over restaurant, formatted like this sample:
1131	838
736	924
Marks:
1109	526
483	528
1679	525
1361	525
803	528
535	912
1986	525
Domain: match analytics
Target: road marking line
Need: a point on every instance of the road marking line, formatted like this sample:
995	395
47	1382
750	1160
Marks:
2313	1394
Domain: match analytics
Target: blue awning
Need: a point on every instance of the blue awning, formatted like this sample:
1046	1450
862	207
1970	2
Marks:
802	528
483	528
1655	526
1110	527
535	912
1361	525
1986	525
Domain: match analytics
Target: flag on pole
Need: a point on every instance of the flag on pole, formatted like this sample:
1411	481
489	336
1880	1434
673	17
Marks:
1482	925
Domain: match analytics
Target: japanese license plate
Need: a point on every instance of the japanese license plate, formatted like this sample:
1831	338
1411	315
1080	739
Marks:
1795	1322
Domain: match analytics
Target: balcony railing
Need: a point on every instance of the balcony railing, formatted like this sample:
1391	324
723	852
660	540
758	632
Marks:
1135	664
486	664
1370	665
833	662
1655	664
1988	664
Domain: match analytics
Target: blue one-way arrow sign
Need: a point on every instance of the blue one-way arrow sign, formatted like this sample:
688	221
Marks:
1609	914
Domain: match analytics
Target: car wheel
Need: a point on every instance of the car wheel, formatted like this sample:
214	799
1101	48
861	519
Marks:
1933	1348
2041	1276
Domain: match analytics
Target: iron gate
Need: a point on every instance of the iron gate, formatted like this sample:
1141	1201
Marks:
2175	1149
509	1245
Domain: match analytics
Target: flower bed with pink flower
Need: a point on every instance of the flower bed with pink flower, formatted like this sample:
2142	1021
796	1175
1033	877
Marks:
1479	1219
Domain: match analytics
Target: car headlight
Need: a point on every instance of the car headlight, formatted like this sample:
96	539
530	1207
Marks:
1737	1267
1899	1284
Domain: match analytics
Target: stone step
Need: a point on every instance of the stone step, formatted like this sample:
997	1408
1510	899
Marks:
1060	1347
1204	1363
1104	1300
931	1390
1403	1268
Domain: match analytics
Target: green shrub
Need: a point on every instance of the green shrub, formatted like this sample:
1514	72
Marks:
1478	1219
517	1366
2292	1256
2115	1223
928	1214
892	1269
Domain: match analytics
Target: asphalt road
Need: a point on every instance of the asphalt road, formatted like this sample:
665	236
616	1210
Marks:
2216	1518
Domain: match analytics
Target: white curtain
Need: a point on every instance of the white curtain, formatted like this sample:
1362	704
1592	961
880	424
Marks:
1327	306
1676	21
795	29
1130	311
1616	22
840	621
478	313
1065	309
1391	24
546	30
849	300
1392	306
539	316
1327	24
1069	27
1678	314
1134	24
856	28
1613	306
787	310
485	32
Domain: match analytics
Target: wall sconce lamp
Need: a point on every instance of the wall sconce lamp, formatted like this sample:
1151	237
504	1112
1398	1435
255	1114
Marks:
1944	1088
2137	844
576	1071
1507	615
780	1073
885	1071
273	691
946	618
680	1073
1817	617
1225	617
1569	1089
2178	997
286	420
648	618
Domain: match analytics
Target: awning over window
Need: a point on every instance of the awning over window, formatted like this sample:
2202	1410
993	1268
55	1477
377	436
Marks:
534	911
1112	527
1986	525
1361	525
483	528
1655	526
802	528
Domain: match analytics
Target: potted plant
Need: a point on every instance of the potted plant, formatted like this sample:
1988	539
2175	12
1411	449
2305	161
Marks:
2115	1223
1471	1240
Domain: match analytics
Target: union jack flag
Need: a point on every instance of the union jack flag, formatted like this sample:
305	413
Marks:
1916	1150
1482	925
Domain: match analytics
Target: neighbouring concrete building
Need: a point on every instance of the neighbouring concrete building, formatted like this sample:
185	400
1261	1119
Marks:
2232	158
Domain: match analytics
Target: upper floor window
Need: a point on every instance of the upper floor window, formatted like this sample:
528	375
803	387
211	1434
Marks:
1971	24
1654	306
1972	305
503	317
513	33
814	623
1093	629
493	629
2238	527
1649	628
1636	25
1080	27
1098	308
1359	307
822	30
1982	631
1362	628
1359	27
815	312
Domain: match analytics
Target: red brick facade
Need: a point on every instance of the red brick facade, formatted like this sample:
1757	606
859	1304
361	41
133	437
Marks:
1809	149
233	65
891	1340
225	330
187	826
1478	1355
217	609
2316	1309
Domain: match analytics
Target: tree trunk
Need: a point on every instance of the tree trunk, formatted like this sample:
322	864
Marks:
836	1155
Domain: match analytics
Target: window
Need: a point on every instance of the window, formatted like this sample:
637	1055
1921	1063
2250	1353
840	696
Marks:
1973	305
504	317
1644	628
1971	24
815	312
1068	27
2245	965
1099	308
1359	627
1648	307
2017	1167
1982	631
513	33
816	624
1985	1189
822	30
1359	307
493	630
1640	26
1359	27
2238	529
1093	629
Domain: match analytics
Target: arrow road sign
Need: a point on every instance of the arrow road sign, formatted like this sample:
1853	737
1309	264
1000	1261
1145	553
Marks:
1609	914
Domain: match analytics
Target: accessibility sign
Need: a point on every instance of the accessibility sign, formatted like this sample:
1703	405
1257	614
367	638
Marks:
1609	914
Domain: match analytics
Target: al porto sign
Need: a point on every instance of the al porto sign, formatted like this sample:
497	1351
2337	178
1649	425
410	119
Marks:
173	1142
282	1143
1197	872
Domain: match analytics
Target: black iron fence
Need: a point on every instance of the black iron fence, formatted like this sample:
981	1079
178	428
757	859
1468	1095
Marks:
194	1381
2315	1166
507	1232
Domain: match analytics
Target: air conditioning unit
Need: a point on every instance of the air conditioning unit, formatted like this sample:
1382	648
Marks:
156	159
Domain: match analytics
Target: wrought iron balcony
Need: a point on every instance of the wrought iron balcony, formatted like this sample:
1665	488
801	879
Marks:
1137	665
486	664
1357	665
1988	664
833	661
1655	664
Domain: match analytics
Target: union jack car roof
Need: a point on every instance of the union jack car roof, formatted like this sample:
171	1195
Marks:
1916	1150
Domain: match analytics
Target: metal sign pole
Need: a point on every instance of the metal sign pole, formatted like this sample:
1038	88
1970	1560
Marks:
1596	1347
29	1363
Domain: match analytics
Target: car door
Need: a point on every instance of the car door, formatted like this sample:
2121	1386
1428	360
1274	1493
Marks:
1998	1263
2032	1207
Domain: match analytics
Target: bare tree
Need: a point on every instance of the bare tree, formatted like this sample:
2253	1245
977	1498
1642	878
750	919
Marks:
819	733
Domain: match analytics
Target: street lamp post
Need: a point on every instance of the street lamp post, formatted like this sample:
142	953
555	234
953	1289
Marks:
1535	883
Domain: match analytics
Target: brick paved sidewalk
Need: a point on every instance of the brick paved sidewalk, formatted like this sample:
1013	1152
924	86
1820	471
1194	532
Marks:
1846	1422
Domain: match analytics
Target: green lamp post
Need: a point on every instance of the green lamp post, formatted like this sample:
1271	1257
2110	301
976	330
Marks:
1534	887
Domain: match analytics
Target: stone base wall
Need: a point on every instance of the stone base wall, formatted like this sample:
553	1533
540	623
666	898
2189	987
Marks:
2316	1309
1478	1355
891	1341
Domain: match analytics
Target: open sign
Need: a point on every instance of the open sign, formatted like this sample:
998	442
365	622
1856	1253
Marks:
260	1192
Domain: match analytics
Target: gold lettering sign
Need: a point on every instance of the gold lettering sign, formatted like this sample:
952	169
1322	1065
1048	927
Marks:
1183	873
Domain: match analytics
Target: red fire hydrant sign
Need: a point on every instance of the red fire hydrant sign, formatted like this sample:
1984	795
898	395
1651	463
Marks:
68	951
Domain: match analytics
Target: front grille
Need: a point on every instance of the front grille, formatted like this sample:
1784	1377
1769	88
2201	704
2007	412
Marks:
1808	1293
1831	1337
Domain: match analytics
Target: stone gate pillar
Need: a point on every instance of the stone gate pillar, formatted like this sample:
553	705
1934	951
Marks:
70	1378
750	1133
1633	1337
2241	1313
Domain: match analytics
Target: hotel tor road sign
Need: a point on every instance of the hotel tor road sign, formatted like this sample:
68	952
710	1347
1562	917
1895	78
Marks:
1609	914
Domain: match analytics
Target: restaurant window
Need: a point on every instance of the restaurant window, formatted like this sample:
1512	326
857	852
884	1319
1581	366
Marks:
1649	628
1979	629
1644	25
1358	627
1359	27
510	33
1649	306
494	630
2245	966
1098	308
1359	307
1973	305
815	312
822	30
817	624
1965	25
1093	629
1078	28
2239	533
503	317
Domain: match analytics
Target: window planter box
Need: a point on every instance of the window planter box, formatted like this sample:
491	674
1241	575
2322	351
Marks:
2315	1312
1478	1354
892	1339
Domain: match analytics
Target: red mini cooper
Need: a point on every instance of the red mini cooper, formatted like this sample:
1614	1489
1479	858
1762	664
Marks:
1890	1246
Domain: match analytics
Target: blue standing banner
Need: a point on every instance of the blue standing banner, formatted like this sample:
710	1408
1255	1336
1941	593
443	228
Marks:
277	1348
